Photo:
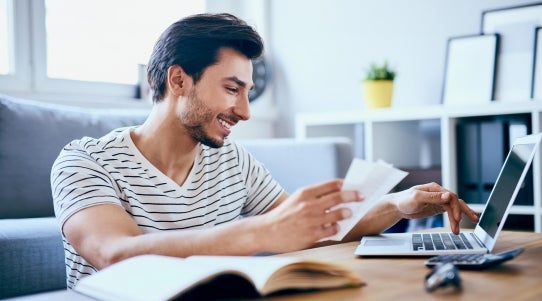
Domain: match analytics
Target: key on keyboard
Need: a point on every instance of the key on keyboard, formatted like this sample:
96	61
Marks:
440	241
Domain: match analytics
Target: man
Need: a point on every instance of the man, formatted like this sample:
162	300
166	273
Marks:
177	186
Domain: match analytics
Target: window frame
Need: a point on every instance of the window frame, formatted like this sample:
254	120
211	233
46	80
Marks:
29	77
20	55
45	84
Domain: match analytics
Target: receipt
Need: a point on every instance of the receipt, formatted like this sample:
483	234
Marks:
373	180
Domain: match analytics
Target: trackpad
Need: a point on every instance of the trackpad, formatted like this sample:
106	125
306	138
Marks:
384	242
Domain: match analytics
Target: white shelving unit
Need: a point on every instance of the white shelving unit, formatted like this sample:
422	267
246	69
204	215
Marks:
423	137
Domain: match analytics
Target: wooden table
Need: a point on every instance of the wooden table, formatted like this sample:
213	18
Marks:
401	279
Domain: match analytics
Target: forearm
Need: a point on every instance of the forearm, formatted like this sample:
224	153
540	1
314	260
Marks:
114	236
243	237
381	217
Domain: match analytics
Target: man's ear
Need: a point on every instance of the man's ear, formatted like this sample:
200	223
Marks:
177	80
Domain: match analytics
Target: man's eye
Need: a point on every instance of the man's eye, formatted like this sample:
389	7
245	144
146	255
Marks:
232	90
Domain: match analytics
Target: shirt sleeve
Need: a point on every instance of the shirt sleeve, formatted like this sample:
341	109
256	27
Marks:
78	182
262	189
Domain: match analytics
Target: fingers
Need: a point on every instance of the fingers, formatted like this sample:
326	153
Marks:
316	207
336	198
329	194
454	204
456	207
327	229
330	221
471	214
454	227
450	202
430	187
322	189
333	216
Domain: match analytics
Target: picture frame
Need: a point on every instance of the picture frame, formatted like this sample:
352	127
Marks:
536	88
469	74
515	26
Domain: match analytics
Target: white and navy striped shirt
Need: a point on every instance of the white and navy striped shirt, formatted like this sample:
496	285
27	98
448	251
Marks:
223	185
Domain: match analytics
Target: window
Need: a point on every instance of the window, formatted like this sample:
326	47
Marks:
85	47
5	25
103	40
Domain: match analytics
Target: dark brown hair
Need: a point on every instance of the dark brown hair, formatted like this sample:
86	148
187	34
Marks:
194	42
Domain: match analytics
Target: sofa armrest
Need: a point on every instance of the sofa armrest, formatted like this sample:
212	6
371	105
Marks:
31	256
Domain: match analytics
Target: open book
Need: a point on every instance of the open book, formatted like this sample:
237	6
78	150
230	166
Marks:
154	277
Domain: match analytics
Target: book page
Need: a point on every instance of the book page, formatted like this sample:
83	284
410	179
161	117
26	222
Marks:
145	278
373	180
259	269
270	274
154	277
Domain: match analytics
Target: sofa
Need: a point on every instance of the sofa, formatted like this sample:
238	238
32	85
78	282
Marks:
32	134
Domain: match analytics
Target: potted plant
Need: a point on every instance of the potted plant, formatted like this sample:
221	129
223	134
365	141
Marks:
378	86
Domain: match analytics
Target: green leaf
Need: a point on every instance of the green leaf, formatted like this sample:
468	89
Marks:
380	72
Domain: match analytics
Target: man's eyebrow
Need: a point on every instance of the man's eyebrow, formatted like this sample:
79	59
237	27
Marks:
236	80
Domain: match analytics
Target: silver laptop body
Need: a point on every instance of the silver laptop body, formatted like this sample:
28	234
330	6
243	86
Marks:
484	236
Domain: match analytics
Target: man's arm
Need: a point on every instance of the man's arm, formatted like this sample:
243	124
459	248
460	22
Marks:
416	202
105	234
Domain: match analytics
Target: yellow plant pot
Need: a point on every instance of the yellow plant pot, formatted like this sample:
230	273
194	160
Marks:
377	93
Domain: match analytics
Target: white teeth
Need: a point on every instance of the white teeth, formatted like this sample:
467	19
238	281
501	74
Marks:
224	123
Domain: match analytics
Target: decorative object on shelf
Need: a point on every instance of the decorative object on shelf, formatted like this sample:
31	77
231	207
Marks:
470	69
536	89
143	89
378	86
260	76
516	27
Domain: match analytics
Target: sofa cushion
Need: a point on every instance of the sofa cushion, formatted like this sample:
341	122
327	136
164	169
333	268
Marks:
32	134
297	163
31	256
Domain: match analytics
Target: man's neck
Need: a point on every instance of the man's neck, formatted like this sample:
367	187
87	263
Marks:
165	144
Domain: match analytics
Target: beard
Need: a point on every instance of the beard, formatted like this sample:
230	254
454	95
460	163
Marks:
194	118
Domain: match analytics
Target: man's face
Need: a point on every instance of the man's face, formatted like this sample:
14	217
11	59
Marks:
219	99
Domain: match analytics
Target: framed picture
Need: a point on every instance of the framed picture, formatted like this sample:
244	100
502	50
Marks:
516	27
536	91
470	69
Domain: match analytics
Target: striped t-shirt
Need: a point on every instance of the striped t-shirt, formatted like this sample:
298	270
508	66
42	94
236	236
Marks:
223	185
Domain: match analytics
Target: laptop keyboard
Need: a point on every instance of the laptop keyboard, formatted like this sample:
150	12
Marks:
440	241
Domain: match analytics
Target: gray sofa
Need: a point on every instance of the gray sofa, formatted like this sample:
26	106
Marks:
31	136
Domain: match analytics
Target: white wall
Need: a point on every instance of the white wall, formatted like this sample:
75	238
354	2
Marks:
264	109
320	48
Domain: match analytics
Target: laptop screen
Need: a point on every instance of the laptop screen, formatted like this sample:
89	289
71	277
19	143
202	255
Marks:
504	187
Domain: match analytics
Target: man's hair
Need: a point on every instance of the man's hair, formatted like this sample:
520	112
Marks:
194	43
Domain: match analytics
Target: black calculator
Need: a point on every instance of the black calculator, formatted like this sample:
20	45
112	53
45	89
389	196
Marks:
474	261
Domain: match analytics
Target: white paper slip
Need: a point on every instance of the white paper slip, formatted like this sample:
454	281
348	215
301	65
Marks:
373	180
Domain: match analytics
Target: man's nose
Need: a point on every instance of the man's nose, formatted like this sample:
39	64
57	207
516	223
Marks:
242	107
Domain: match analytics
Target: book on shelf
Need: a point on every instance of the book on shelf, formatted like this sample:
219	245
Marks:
155	277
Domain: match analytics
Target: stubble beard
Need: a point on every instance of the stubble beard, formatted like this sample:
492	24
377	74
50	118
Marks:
194	118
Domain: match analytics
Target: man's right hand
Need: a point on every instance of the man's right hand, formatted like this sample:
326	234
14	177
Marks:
307	216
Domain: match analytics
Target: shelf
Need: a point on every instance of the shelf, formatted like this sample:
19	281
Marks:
419	112
425	137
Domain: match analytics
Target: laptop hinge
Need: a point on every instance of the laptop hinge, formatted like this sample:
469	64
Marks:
480	243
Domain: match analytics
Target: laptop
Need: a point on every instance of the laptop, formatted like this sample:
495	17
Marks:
482	239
